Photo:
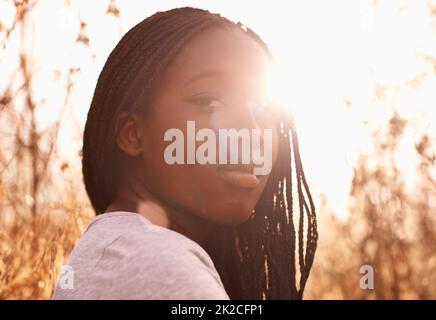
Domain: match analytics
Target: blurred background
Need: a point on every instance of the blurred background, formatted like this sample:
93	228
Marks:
359	76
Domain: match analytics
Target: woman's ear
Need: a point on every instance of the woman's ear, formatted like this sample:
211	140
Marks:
129	137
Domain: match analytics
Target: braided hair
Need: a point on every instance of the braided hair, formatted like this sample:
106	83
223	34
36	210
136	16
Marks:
255	260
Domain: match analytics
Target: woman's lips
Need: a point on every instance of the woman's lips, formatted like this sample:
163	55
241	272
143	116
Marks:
239	178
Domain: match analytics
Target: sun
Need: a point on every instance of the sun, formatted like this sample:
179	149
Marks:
277	87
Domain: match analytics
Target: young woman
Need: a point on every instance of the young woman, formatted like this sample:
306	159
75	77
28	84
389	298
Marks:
196	230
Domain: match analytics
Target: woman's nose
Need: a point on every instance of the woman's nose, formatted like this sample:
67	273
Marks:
248	115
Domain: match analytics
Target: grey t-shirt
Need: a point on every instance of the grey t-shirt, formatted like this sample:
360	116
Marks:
122	255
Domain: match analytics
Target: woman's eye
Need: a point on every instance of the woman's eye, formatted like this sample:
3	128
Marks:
208	102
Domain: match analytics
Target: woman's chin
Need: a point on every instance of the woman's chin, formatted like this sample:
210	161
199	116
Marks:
232	216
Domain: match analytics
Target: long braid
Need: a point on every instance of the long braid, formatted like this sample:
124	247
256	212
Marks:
312	234
255	260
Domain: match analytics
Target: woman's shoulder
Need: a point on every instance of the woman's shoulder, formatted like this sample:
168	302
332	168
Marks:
137	236
137	259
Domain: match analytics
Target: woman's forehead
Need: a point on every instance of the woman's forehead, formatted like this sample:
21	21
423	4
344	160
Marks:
231	52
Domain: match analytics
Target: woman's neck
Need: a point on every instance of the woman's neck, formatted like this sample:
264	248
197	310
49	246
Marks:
134	197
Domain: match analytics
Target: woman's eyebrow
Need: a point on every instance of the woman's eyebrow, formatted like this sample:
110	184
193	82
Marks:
206	74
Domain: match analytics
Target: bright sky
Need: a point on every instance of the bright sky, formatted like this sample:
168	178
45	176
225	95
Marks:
329	52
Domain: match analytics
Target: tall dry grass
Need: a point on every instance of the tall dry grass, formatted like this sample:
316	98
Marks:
389	228
43	207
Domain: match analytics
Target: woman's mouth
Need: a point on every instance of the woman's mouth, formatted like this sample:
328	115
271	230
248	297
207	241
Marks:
239	176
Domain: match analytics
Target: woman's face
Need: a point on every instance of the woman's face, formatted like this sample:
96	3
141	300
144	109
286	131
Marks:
217	81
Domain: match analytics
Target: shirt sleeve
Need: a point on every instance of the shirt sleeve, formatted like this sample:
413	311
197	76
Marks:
161	268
